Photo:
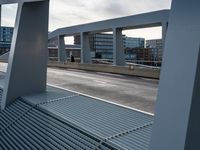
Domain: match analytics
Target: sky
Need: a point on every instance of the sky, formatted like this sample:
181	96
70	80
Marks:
65	13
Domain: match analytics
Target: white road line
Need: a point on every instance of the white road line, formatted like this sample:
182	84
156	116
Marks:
102	100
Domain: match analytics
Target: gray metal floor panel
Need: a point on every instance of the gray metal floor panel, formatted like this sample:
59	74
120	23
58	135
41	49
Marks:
59	119
97	117
50	94
137	140
34	129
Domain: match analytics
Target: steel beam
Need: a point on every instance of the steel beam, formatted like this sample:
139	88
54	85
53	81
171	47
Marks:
61	49
85	48
151	19
176	123
118	48
164	31
26	73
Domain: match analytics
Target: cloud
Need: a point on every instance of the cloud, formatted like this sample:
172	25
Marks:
72	12
79	11
9	14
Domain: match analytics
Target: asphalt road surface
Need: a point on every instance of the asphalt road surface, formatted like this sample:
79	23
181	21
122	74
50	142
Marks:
136	92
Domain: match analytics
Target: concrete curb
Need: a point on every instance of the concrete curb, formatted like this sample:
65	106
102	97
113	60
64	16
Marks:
126	70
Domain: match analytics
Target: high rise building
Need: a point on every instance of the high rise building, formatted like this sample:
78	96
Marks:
102	44
156	45
5	39
6	34
131	42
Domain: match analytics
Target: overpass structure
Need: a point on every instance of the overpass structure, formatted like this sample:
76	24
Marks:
33	117
152	19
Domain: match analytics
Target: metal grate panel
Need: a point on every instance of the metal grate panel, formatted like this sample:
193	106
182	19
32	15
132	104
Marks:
35	129
101	118
137	140
60	119
110	123
50	94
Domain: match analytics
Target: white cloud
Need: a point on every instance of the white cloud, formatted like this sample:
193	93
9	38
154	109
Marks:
8	14
72	12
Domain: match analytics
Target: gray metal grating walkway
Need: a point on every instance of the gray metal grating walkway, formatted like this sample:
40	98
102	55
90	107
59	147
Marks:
59	119
35	129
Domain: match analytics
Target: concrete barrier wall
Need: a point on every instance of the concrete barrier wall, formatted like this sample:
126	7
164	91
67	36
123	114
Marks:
129	70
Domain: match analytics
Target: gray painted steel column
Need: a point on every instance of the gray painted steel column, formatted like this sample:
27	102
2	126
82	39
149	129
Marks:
61	49
177	122
27	65
118	48
164	29
85	48
164	32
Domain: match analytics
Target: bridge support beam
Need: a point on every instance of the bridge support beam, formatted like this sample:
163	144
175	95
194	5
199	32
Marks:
27	64
61	49
176	122
118	48
85	48
164	32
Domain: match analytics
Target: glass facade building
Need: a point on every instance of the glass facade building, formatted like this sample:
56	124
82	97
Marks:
6	34
131	42
156	45
102	44
5	39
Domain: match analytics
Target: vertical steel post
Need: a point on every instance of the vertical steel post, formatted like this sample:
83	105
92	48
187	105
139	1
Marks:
27	65
176	123
118	48
85	48
61	49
